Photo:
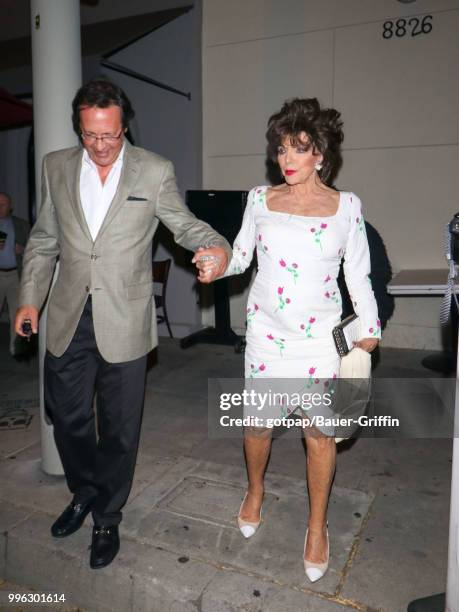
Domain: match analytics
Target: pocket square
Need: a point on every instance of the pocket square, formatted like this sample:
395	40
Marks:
132	198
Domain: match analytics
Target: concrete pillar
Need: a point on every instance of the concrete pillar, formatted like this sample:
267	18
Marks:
56	63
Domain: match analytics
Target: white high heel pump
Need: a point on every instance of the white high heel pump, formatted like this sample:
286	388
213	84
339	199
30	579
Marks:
315	571
248	529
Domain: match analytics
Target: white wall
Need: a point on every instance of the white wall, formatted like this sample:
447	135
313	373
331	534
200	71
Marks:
400	105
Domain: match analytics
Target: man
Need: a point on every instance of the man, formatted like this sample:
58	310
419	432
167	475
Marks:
13	238
100	208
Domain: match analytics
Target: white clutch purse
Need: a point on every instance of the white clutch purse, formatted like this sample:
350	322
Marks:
346	333
356	366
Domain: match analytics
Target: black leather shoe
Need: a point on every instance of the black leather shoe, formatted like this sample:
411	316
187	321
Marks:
71	519
105	546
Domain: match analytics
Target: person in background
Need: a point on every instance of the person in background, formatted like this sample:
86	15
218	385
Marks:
14	233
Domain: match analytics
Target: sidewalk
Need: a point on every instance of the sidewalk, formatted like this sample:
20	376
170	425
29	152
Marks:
181	549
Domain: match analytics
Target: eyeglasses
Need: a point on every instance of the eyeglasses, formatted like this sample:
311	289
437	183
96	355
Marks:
108	138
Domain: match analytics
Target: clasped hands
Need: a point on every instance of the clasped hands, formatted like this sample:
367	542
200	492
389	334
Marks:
211	263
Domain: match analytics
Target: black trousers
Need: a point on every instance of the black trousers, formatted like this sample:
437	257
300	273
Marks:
98	459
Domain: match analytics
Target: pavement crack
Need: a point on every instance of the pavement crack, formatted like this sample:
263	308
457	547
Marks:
355	549
349	603
19	521
17	452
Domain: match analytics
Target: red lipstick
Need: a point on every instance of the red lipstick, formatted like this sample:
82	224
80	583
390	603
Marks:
289	172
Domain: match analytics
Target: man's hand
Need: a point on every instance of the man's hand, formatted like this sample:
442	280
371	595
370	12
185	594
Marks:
211	263
367	344
23	313
19	249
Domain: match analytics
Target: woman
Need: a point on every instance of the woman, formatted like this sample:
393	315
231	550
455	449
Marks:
301	229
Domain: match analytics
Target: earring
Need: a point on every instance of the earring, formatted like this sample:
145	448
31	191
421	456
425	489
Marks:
318	166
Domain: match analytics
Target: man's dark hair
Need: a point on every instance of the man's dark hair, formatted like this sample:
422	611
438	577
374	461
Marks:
102	94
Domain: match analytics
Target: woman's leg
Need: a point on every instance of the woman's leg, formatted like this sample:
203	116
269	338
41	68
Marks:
257	445
320	469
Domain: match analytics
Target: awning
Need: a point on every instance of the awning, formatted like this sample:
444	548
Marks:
13	112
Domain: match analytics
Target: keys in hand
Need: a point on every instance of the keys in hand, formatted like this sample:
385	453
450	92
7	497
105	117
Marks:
27	329
27	316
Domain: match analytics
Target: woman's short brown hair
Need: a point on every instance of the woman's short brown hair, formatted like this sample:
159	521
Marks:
321	125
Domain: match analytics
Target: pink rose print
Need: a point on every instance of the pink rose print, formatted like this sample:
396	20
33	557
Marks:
251	313
293	269
361	223
333	296
327	278
280	342
375	332
307	328
259	194
310	380
318	234
238	268
330	384
261	247
282	300
254	371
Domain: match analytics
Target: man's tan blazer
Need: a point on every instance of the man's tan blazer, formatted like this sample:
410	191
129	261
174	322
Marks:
116	268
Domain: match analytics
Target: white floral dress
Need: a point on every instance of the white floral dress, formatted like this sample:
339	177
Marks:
294	301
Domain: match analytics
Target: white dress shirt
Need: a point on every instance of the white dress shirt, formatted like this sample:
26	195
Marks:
96	196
